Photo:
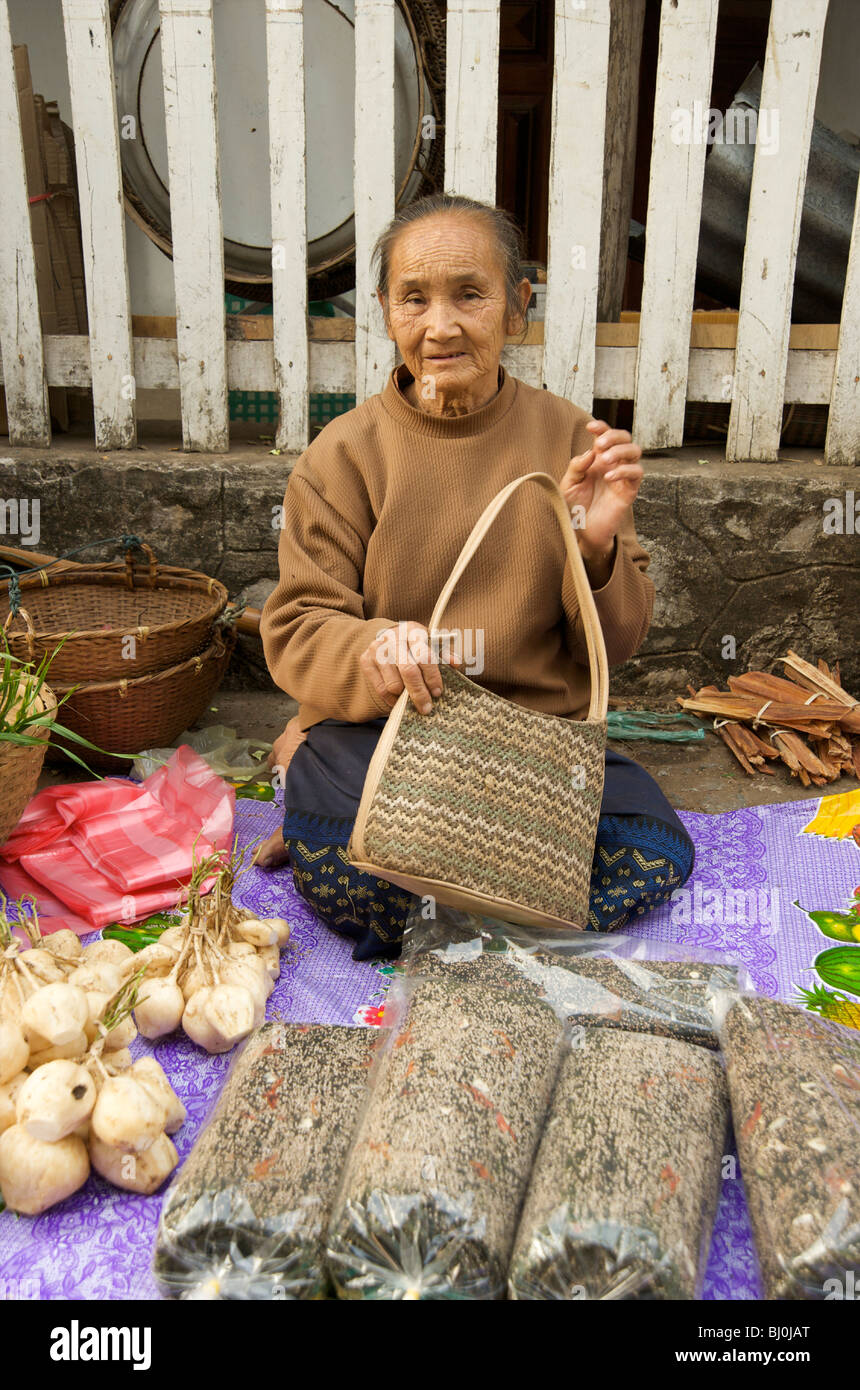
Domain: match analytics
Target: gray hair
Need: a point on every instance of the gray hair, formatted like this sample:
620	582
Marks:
503	227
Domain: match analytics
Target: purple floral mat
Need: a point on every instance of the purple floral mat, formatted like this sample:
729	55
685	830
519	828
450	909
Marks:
98	1244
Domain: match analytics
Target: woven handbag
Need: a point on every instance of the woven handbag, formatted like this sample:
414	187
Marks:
483	804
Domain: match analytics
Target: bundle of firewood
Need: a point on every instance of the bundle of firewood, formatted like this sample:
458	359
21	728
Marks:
806	719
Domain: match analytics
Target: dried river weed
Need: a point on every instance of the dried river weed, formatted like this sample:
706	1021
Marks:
246	1216
794	1081
624	1190
668	998
435	1182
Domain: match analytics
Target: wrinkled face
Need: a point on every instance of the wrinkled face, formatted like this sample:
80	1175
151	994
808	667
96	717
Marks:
447	309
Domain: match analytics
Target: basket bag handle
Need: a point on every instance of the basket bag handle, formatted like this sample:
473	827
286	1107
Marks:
598	665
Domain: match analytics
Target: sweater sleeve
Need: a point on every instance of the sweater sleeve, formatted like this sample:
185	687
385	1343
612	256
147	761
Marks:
625	602
313	625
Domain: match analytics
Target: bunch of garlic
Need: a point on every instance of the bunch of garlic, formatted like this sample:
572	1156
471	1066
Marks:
91	1106
52	996
212	975
70	1095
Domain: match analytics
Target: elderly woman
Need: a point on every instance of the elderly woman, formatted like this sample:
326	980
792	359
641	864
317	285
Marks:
376	512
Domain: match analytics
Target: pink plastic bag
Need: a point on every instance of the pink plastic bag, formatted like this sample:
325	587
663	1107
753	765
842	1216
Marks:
97	852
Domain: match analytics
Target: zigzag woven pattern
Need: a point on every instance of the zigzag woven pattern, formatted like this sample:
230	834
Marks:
490	796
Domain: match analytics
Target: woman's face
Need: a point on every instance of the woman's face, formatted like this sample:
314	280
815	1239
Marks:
447	309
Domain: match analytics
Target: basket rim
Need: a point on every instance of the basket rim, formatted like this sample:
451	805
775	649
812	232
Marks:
44	730
214	651
43	578
189	580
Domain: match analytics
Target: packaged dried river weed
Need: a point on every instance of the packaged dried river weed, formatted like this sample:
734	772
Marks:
794	1081
245	1218
585	982
434	1184
624	1190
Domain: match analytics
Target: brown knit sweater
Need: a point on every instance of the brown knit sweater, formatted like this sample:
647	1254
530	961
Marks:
376	512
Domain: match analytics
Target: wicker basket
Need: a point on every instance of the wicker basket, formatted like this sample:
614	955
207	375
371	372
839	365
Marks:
127	716
168	612
19	771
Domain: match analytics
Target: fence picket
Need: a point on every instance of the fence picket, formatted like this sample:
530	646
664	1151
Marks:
20	325
373	183
190	109
89	54
684	67
842	445
575	195
471	97
286	74
788	91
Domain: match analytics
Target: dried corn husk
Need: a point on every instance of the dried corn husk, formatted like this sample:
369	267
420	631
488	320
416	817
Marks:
812	723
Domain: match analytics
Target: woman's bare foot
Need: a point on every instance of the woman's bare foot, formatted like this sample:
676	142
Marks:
271	854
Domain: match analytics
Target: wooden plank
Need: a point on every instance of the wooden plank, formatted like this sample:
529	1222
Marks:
788	92
191	117
614	373
89	54
842	444
323	330
285	58
471	98
627	18
808	378
717	329
525	362
332	367
153	325
822	337
319	330
373	184
575	191
20	326
684	66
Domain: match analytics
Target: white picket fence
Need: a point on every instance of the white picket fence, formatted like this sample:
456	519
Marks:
658	368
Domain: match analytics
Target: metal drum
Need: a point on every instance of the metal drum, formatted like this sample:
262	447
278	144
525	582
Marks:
243	131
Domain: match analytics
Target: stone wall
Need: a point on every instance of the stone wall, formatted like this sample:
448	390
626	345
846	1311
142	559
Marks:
738	551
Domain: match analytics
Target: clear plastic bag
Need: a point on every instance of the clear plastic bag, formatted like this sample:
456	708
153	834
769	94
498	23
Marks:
230	756
624	1190
436	1176
794	1082
588	979
245	1217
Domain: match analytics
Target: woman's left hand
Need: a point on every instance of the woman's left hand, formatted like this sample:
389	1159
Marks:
603	481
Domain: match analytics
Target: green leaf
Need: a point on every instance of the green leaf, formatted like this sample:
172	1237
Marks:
24	740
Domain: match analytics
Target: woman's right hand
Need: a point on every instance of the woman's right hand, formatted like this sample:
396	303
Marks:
399	659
